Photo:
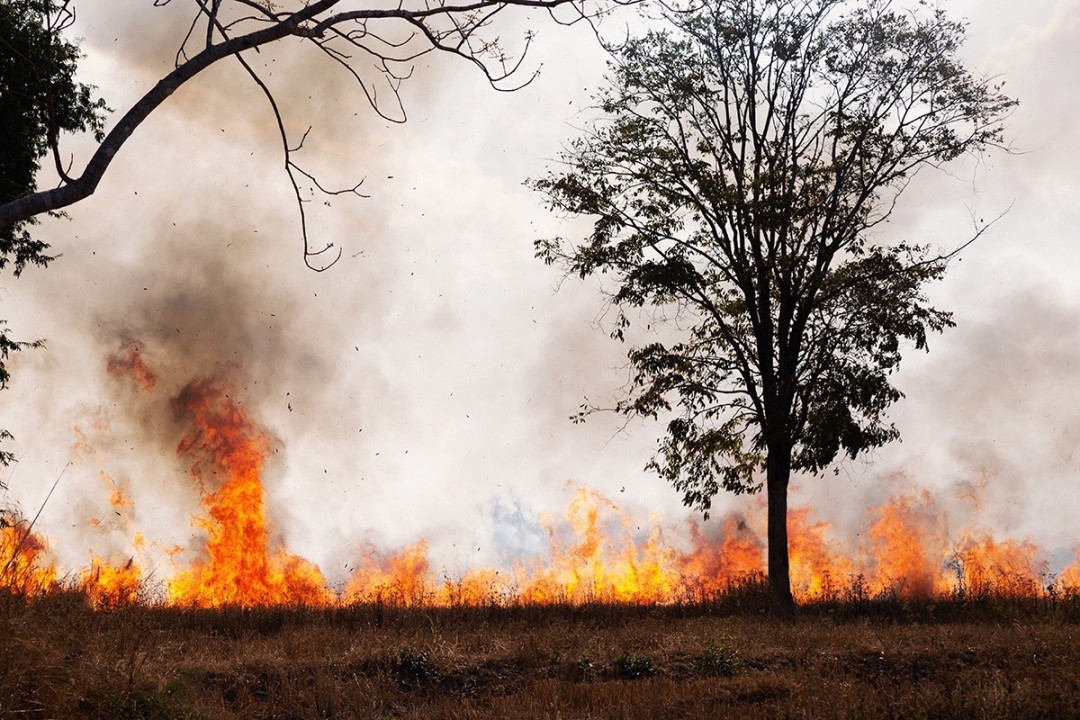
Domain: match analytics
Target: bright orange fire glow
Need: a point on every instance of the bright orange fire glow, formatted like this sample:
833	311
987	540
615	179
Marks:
907	548
26	566
111	586
719	562
1010	568
1070	576
228	451
596	553
816	572
602	562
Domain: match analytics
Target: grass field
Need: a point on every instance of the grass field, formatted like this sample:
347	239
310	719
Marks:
954	658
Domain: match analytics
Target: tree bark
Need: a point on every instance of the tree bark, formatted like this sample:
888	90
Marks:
778	473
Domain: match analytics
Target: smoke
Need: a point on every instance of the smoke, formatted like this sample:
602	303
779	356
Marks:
421	387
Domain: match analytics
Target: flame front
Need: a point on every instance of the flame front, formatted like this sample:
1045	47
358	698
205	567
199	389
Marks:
907	548
596	553
108	586
602	562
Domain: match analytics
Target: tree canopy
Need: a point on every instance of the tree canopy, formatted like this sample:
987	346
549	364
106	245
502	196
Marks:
747	156
39	100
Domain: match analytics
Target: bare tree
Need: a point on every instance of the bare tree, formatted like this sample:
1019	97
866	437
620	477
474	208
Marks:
375	46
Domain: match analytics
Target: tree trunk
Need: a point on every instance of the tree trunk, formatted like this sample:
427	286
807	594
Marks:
778	473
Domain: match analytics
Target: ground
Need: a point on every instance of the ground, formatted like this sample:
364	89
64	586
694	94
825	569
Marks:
944	659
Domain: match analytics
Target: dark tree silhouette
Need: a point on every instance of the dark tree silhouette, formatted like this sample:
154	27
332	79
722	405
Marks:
745	161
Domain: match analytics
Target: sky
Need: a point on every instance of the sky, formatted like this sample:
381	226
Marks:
422	387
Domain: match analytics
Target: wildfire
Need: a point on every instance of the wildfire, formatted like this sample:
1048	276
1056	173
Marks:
601	563
1070	577
985	566
228	451
597	552
907	547
26	565
111	586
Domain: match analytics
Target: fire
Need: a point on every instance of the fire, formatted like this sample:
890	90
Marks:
1070	577
404	579
228	451
985	566
717	564
907	548
26	565
129	362
597	552
111	586
598	565
816	572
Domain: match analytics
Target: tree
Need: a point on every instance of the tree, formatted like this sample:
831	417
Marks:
375	46
746	158
39	100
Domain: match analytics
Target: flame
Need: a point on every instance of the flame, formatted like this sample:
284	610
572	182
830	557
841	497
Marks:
719	563
602	564
109	586
228	449
129	362
26	565
1008	568
403	579
597	552
816	571
1070	576
907	548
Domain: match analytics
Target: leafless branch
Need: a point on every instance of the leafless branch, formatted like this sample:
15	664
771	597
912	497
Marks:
345	32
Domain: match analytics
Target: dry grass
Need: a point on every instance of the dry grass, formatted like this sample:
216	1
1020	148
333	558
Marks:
950	659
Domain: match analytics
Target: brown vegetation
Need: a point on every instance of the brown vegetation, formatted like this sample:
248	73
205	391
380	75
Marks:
956	658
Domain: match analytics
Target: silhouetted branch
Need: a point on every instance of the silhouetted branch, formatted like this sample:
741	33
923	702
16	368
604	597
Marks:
340	30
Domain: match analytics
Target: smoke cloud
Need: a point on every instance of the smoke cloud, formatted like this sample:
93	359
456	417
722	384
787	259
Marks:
421	387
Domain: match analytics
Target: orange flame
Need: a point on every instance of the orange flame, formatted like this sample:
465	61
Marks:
717	563
240	568
111	586
603	563
907	548
1070	576
1009	568
26	565
596	553
816	572
129	362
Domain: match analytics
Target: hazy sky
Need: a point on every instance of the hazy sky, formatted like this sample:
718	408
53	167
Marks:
421	387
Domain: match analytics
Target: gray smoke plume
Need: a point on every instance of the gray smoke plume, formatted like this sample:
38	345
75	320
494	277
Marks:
421	388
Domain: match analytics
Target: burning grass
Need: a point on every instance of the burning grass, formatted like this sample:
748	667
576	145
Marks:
597	552
612	622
